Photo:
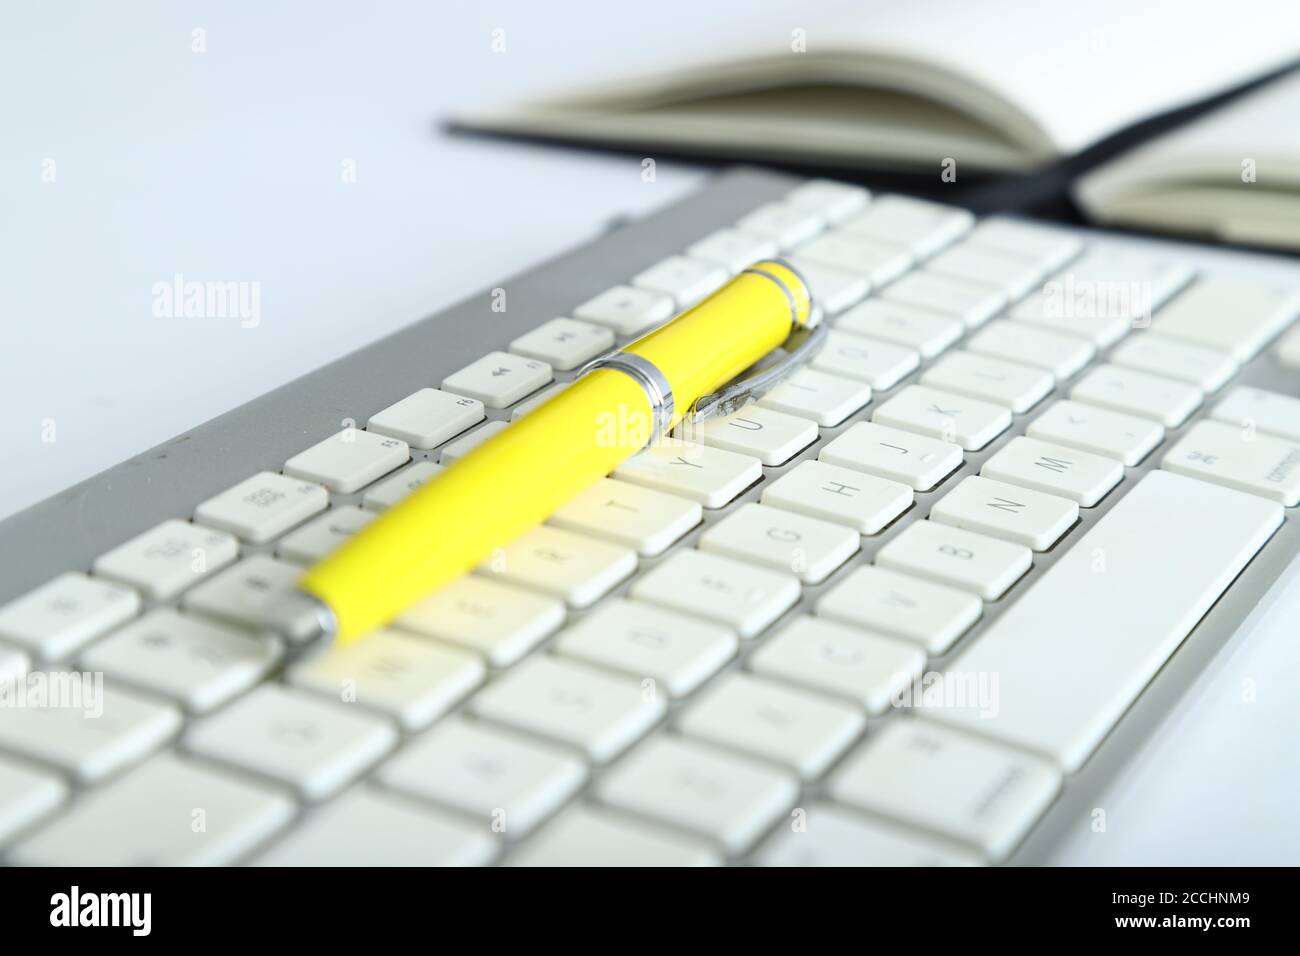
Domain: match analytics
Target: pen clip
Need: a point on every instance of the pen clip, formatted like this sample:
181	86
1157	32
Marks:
739	394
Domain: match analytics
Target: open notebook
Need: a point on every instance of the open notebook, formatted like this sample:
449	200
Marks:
1233	174
1006	85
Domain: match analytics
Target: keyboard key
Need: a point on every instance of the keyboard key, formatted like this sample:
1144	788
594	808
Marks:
428	417
462	446
168	558
1101	323
833	290
879	364
927	332
564	343
507	782
27	795
13	664
826	399
730	799
808	547
843	661
537	401
1013	274
315	746
1104	270
771	437
95	730
243	594
969	422
629	514
263	507
1228	456
411	680
1206	368
962	559
1055	470
1093	429
803	732
1051	248
1026	344
1288	349
863	502
878	262
743	597
1138	393
1252	408
710	476
835	837
390	491
1103	294
1010	512
676	651
685	279
572	567
585	836
1166	521
596	712
972	303
966	789
1018	387
1258	313
734	250
149	817
500	622
894	454
366	828
65	614
627	310
924	227
198	665
833	201
350	460
499	379
930	615
787	223
314	541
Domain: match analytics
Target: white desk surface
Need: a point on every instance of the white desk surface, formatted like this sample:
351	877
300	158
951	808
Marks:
226	165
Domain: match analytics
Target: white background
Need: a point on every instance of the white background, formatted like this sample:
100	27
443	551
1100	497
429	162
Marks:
225	165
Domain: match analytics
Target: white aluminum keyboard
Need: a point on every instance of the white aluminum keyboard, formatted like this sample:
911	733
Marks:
1024	459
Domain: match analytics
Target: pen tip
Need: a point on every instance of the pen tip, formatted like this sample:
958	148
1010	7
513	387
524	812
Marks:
300	619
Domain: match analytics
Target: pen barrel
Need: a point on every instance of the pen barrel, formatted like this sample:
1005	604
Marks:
506	486
519	477
712	343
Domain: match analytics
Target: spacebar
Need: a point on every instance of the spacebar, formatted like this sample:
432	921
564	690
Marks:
1082	642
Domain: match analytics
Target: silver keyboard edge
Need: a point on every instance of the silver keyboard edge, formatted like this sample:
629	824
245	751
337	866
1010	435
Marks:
68	530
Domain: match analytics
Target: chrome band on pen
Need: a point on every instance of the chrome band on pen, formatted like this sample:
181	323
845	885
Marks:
736	395
790	297
723	402
653	382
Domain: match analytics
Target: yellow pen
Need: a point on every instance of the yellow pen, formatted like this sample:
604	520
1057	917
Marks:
515	480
